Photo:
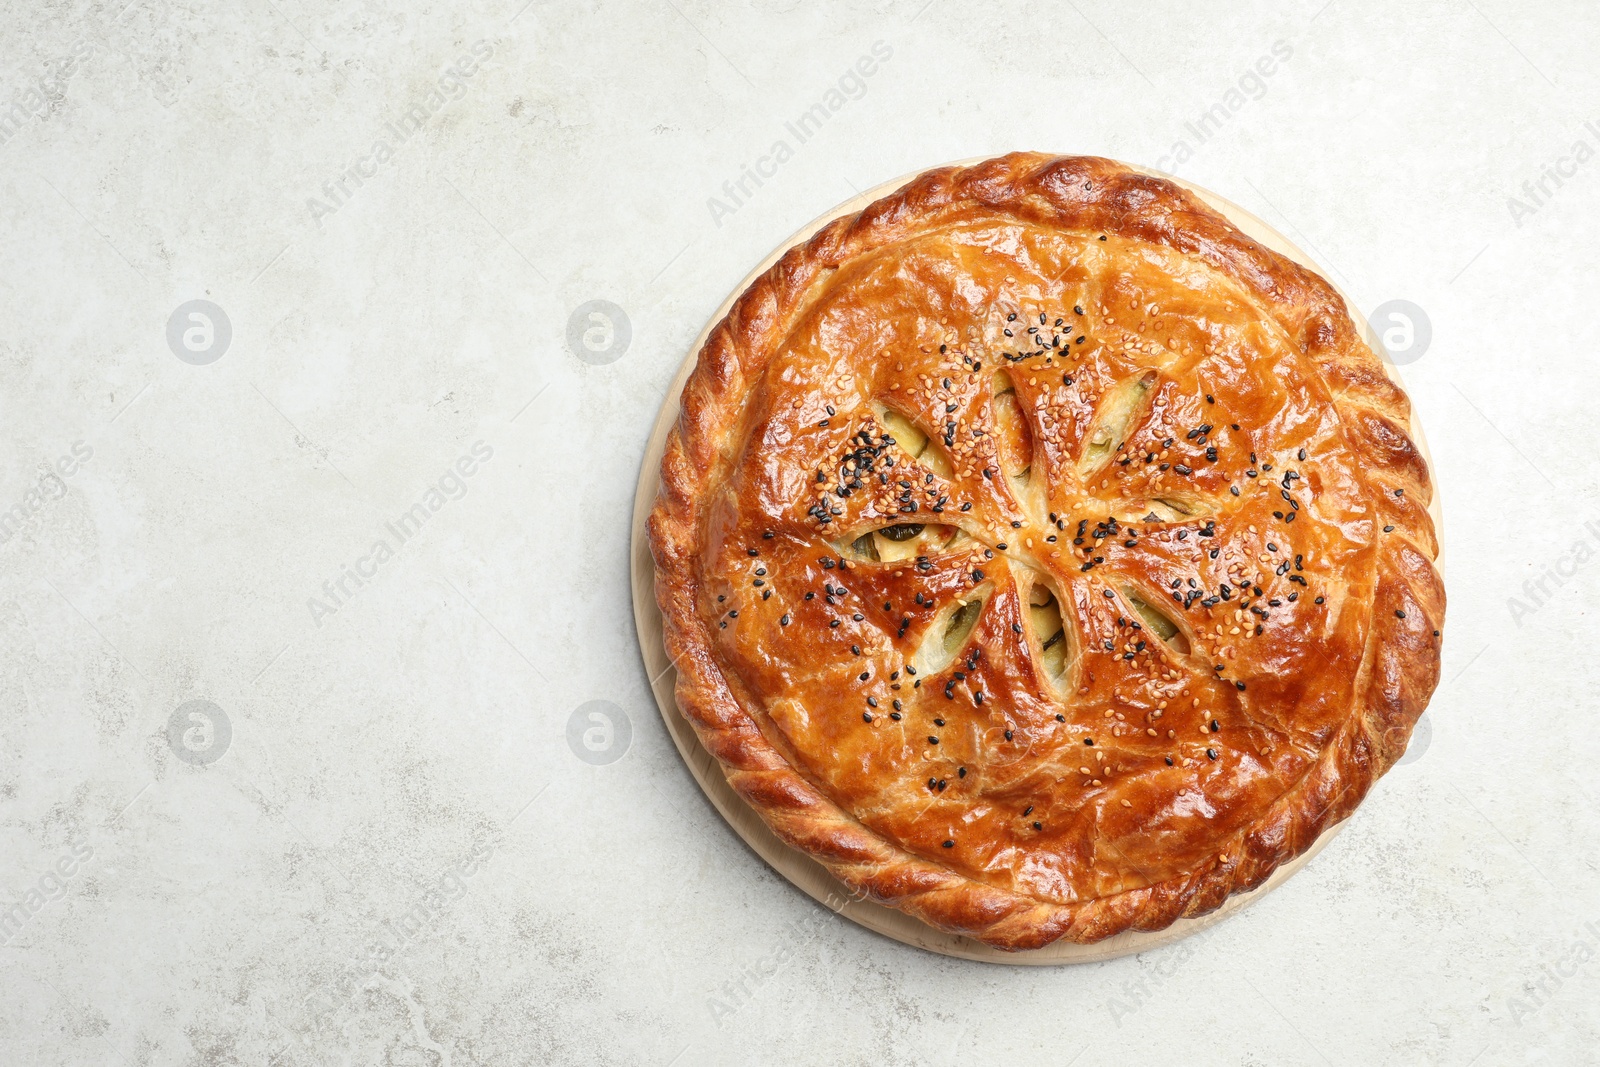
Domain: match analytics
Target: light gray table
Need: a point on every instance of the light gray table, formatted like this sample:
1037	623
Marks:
272	794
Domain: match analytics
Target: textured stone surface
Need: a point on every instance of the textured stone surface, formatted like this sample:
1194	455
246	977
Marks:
393	854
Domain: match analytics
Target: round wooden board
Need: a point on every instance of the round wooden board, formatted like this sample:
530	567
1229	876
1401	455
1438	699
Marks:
800	869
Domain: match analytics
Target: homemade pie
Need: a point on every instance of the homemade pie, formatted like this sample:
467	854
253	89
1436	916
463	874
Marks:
1043	555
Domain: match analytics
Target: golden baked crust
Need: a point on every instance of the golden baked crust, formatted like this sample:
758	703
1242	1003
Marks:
1156	603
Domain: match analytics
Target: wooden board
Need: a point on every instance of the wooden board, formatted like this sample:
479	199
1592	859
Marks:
800	869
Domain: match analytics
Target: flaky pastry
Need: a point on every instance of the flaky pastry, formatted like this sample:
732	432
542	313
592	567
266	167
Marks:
1043	555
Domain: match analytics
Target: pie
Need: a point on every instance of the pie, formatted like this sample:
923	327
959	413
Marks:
1043	555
